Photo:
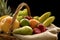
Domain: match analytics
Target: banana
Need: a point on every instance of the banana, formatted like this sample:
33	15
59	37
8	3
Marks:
48	21
44	17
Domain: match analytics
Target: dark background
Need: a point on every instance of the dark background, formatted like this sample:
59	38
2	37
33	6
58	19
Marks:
39	7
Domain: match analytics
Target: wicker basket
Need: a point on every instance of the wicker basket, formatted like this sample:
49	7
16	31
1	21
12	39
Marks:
50	34
9	35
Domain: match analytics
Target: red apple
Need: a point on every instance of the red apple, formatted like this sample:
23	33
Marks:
36	31
28	17
41	27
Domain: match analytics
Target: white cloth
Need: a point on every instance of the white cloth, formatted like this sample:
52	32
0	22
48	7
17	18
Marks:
50	34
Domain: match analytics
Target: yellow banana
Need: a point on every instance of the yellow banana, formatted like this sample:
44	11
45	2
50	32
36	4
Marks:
44	17
48	21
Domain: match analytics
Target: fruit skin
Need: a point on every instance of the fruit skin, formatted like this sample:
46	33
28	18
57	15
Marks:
6	24
36	17
41	27
25	30
33	23
28	17
44	17
23	13
3	17
24	22
48	21
19	18
16	24
36	31
1	20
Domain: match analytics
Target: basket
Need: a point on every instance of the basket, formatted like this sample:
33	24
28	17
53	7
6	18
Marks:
9	35
50	34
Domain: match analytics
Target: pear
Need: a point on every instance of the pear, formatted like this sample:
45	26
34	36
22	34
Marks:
24	22
36	17
25	30
23	13
19	18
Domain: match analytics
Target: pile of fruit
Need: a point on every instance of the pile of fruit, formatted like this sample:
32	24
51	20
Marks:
33	25
24	24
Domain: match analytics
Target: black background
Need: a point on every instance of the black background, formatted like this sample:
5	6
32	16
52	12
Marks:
39	7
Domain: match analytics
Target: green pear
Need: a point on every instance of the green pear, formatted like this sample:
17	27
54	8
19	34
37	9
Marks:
23	13
24	22
25	30
19	18
36	17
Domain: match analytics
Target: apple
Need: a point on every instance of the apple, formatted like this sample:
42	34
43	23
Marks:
36	31
28	17
24	22
41	27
